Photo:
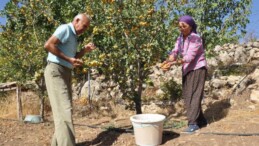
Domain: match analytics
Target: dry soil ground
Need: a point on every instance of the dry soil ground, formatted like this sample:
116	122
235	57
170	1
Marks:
235	124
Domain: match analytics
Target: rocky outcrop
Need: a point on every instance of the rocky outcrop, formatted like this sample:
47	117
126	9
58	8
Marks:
242	57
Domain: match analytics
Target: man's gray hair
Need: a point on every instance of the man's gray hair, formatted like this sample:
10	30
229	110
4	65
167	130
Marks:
80	15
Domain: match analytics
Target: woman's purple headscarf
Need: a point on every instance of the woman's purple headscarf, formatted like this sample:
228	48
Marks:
189	20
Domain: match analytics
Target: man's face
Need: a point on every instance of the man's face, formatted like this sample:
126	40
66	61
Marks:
81	25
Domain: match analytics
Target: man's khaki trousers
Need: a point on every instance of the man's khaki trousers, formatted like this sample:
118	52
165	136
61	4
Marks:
58	82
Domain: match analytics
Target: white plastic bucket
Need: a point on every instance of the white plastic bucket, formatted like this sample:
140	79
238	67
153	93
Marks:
148	129
33	119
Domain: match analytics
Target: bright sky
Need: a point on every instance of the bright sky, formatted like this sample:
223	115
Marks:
2	5
252	27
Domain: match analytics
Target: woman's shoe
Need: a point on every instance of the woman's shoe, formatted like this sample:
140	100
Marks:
191	129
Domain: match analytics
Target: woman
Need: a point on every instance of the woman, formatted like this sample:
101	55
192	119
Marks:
190	53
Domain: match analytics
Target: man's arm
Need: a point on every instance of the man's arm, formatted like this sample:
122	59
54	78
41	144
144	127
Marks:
87	48
51	46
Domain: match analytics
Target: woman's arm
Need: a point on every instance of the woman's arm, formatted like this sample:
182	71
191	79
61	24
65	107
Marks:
174	53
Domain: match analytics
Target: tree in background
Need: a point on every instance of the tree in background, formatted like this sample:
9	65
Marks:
219	21
29	24
132	35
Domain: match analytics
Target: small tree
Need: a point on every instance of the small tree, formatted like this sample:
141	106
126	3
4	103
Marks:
29	24
132	37
132	34
219	21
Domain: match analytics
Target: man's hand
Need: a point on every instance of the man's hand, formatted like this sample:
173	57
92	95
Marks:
89	47
76	62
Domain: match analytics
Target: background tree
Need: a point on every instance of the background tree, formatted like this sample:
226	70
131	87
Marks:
29	24
132	35
219	21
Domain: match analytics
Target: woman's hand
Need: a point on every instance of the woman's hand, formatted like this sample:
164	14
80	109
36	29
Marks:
166	65
171	58
179	62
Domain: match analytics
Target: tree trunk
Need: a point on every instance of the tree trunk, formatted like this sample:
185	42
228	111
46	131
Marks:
42	99
139	93
138	104
42	107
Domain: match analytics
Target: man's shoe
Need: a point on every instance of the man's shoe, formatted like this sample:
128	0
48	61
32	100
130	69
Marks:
191	129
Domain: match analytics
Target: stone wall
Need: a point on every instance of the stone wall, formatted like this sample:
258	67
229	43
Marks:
217	85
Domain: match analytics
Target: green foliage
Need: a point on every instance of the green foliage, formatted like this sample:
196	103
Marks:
219	21
28	26
132	35
174	124
172	90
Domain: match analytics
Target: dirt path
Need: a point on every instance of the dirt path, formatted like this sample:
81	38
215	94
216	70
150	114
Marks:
236	125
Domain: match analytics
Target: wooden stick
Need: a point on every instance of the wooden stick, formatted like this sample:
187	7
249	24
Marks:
19	103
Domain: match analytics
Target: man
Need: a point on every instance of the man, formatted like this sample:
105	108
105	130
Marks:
62	58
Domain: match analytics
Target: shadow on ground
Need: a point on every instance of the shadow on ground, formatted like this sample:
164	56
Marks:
109	136
169	135
217	110
104	138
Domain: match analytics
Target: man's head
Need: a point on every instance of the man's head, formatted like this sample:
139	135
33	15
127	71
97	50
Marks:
81	23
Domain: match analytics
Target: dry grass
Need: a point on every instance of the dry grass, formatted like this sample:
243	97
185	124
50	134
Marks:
8	105
82	108
100	108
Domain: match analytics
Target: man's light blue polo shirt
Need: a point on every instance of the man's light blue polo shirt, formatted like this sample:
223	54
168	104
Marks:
68	44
